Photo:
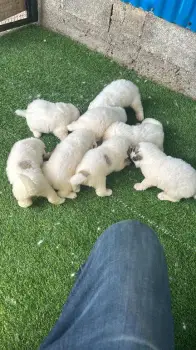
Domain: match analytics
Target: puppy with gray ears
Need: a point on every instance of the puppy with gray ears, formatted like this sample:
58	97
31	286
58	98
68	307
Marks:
25	175
111	156
176	178
99	119
47	117
150	130
120	93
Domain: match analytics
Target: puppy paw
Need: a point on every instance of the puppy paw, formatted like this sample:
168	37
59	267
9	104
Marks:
138	187
71	195
59	201
105	193
37	134
76	188
56	201
108	192
25	203
162	196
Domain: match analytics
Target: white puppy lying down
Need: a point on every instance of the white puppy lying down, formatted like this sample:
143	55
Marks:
47	117
25	175
150	130
175	177
120	93
64	159
111	156
99	119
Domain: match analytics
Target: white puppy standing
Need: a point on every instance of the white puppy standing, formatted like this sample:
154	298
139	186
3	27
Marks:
47	117
99	119
150	130
120	93
111	156
176	178
25	174
64	159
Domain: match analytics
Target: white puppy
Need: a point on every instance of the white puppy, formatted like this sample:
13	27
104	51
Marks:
120	93
99	119
64	159
175	177
111	156
150	130
25	175
47	117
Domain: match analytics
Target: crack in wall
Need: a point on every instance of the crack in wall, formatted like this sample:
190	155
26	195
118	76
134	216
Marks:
140	47
110	19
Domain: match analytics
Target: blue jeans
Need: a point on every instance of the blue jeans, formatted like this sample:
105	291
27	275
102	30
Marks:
121	298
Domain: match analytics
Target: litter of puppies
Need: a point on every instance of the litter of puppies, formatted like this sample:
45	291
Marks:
77	160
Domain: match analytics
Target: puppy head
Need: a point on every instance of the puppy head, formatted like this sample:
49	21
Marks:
37	144
152	121
68	108
75	113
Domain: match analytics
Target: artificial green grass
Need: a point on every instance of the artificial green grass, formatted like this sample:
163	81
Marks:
35	279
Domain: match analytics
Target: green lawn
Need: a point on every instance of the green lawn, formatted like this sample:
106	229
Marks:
35	279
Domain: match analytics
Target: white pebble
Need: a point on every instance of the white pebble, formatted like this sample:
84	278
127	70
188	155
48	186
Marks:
10	301
98	229
183	326
44	40
40	242
72	274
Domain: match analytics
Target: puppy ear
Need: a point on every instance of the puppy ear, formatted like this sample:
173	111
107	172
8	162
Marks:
130	149
137	158
136	149
46	155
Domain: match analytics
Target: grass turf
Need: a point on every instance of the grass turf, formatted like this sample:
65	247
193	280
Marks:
35	279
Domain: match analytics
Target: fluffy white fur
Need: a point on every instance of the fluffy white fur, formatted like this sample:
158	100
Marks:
47	117
176	178
65	158
99	119
121	93
25	174
150	130
111	156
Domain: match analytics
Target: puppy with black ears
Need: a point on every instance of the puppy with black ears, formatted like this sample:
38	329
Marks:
175	177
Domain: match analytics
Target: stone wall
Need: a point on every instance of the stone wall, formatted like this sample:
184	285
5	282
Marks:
156	49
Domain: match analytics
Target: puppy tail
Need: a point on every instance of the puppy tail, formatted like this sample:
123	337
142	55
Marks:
138	108
79	179
21	113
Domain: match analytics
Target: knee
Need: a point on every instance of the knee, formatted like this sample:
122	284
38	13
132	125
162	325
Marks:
130	232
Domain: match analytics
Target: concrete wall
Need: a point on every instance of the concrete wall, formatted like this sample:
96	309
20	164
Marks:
151	46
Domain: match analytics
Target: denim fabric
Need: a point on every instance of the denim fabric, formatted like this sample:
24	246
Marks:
121	298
